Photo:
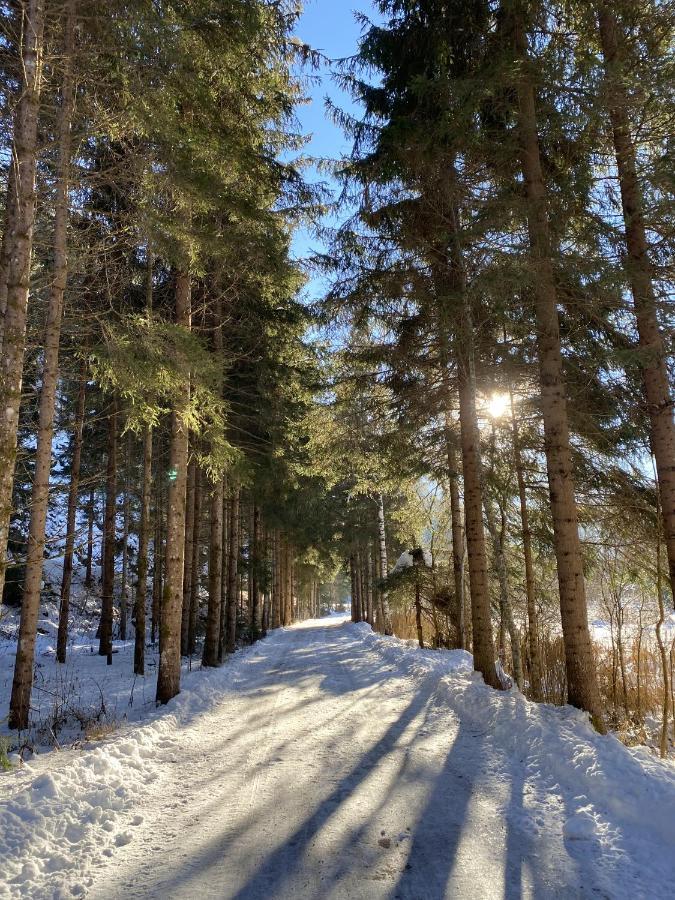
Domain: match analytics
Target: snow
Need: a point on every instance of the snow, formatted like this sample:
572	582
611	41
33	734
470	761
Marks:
329	761
406	561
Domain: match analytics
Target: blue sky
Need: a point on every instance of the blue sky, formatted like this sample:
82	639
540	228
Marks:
329	27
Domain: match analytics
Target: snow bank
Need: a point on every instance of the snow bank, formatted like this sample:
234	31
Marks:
619	802
63	811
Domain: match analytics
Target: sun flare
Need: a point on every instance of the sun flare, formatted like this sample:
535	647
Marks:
498	405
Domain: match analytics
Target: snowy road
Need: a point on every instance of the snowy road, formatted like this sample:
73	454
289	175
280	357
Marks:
328	772
333	764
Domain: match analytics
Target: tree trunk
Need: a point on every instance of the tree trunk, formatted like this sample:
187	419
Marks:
211	640
504	592
418	612
124	599
483	646
384	568
533	625
453	479
653	357
276	584
110	515
266	593
19	223
195	567
168	675
88	573
71	516
254	563
580	665
231	637
187	562
143	541
369	589
289	586
223	569
157	557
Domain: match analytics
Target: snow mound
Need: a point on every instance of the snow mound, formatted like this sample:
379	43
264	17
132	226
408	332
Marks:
619	802
407	560
65	811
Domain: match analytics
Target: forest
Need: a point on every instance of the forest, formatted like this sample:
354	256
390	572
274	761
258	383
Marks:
426	384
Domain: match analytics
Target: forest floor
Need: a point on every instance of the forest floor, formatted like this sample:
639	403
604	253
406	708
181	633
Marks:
330	762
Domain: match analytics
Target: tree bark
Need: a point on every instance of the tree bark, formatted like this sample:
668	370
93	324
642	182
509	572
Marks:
276	583
157	557
384	567
124	598
532	618
143	541
20	218
498	539
187	562
108	573
653	358
88	574
453	478
580	665
369	589
483	646
168	675
195	567
254	563
231	637
212	638
71	516
418	612
144	524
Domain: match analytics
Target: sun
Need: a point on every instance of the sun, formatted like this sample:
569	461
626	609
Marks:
498	405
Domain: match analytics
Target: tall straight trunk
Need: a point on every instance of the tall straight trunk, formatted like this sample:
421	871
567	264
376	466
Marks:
580	665
168	675
289	586
265	556
378	592
157	559
254	563
369	588
30	606
452	289
653	357
533	625
352	582
19	223
195	564
223	569
124	596
8	231
110	515
384	567
144	524
211	640
88	572
457	527
276	582
506	609
359	586
71	516
457	543
187	562
143	541
231	637
483	646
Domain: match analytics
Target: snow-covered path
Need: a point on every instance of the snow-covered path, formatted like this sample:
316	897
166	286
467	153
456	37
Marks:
336	764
